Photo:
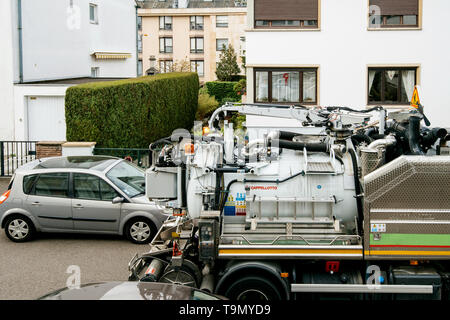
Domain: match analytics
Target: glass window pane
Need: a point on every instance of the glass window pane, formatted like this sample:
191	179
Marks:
391	86
53	185
200	44
221	43
161	44
309	86
285	87
408	84
161	22
28	182
262	23
279	23
169	20
200	68
375	21
107	192
395	20
193	44
310	23
169	42
262	86
86	186
375	77
128	178
410	20
199	19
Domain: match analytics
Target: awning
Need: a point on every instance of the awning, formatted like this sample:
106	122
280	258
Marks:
111	55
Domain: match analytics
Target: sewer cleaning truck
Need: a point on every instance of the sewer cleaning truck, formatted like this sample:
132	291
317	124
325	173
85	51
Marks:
350	204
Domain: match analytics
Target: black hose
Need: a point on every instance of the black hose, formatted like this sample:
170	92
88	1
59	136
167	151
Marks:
287	135
286	144
414	135
183	186
359	204
359	138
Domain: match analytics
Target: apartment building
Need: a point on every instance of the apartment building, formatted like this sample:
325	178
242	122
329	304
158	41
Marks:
49	45
190	35
355	53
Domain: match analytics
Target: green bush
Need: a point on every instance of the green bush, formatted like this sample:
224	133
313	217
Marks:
206	106
221	90
131	113
240	87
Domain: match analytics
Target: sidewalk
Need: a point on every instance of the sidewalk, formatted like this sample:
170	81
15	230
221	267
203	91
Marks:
4	184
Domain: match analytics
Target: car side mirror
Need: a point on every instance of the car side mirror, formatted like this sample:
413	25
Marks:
117	200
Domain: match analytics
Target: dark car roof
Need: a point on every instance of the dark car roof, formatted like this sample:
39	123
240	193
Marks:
99	163
130	290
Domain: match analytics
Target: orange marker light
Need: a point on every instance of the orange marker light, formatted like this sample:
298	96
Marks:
189	149
5	196
284	274
206	131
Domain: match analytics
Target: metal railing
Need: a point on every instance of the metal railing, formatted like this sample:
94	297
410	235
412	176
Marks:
140	157
14	154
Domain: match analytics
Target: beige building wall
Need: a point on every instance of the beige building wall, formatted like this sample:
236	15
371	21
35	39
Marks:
181	34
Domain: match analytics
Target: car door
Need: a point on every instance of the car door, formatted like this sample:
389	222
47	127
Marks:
48	200
92	206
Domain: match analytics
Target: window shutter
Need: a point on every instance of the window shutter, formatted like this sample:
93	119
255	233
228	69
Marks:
286	10
397	7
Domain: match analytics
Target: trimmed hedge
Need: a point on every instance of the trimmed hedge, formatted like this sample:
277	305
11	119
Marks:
131	113
222	91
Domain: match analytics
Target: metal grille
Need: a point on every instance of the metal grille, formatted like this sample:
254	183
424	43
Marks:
371	160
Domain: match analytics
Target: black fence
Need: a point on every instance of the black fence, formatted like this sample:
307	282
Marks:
14	154
140	157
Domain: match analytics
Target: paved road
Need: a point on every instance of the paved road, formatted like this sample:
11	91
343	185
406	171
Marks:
30	270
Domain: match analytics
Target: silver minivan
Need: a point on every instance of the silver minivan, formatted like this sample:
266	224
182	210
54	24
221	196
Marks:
82	194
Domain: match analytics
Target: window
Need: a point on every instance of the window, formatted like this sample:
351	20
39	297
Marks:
140	43
51	185
196	45
89	187
95	72
196	23
28	183
286	85
93	13
393	14
128	178
198	66
165	45
139	23
139	68
222	21
165	66
391	85
165	23
286	14
221	44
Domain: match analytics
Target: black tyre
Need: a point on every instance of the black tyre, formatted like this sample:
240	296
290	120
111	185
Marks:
140	230
19	228
187	275
253	288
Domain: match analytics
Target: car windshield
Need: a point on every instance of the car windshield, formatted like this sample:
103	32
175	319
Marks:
128	178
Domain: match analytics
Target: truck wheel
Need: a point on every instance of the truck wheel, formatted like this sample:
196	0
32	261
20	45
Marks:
253	288
187	275
19	229
140	230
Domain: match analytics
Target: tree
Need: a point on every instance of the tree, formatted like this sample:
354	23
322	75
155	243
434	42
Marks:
227	66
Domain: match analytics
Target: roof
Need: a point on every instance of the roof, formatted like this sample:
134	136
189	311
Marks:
99	163
173	4
68	81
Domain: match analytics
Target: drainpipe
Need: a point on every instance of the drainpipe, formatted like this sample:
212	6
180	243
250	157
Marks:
19	27
137	40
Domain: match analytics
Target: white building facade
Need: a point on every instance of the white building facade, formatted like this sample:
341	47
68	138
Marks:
354	53
46	43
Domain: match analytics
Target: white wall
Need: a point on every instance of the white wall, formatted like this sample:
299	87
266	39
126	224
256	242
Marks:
58	42
344	48
6	72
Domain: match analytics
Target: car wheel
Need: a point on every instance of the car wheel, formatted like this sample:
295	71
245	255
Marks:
19	229
140	230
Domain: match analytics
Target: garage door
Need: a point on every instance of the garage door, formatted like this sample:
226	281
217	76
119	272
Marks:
46	119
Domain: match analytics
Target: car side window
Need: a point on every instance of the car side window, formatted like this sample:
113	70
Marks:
107	192
86	186
52	185
89	187
28	183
